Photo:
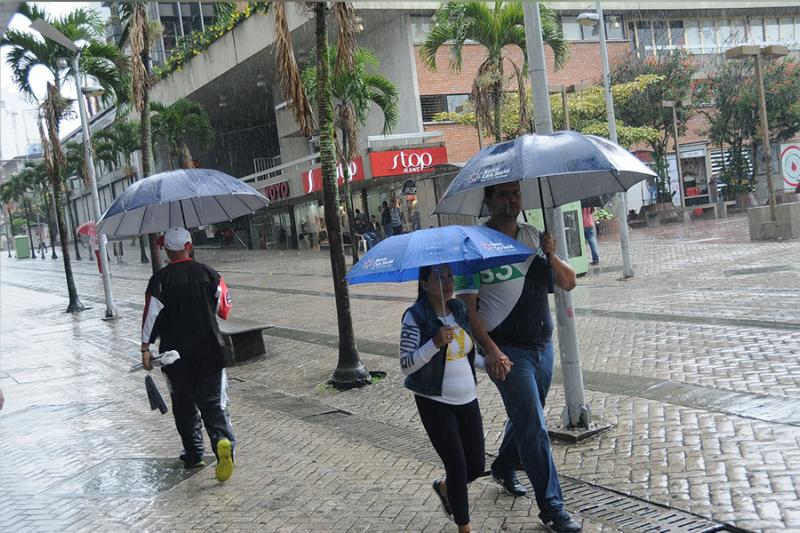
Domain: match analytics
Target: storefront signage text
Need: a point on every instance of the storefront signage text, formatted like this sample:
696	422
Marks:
312	179
277	191
410	161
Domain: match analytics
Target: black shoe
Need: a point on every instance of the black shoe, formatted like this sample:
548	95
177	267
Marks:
191	462
560	522
510	484
448	512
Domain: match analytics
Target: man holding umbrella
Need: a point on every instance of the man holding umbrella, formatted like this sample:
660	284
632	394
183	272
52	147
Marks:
510	318
182	302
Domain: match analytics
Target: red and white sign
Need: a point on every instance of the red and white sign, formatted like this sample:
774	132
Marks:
277	191
312	180
790	163
409	161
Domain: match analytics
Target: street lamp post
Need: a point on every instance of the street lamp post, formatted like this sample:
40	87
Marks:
53	34
621	203
741	52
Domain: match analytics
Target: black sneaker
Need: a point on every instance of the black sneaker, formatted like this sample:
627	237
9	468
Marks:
510	484
561	522
448	512
191	462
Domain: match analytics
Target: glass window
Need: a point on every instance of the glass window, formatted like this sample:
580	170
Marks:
644	32
571	29
455	101
677	37
661	34
724	33
615	30
738	31
756	30
591	33
772	33
787	30
709	36
692	36
431	105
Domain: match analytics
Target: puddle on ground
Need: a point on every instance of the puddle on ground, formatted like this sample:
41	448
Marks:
134	477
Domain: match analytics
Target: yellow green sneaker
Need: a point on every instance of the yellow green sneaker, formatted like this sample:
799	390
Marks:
224	460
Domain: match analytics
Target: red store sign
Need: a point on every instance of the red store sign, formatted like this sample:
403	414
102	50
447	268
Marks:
312	180
408	161
277	191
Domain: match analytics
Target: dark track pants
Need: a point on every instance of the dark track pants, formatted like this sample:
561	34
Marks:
456	432
195	396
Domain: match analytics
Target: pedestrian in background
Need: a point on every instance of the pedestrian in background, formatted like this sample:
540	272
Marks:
386	220
396	218
182	302
437	355
590	233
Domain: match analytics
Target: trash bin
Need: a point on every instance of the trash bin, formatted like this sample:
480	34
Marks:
22	246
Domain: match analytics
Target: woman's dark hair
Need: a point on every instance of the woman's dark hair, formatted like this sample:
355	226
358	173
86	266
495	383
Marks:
424	274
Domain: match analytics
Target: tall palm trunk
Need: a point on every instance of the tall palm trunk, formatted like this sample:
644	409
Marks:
350	372
9	227
51	213
498	102
348	197
147	168
73	217
26	206
55	156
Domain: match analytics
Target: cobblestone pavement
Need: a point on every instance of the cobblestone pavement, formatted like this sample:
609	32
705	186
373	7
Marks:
695	361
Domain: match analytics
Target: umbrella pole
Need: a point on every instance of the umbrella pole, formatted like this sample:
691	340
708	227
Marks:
541	203
444	306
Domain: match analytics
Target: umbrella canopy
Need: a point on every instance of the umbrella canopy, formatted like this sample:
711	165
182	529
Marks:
187	198
569	166
467	249
87	228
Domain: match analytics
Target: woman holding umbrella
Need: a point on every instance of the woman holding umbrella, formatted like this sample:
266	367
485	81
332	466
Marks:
437	355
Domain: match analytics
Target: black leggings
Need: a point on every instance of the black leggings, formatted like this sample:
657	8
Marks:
456	432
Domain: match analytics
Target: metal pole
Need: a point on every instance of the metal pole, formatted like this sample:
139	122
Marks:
762	111
576	414
111	310
682	191
565	106
621	202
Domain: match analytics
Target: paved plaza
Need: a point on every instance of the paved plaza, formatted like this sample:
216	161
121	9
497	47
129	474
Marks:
696	362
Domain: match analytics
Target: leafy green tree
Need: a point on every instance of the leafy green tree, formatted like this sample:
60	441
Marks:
644	109
354	90
116	144
176	124
495	28
731	93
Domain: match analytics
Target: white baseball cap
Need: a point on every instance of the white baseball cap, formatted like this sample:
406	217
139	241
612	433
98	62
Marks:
175	239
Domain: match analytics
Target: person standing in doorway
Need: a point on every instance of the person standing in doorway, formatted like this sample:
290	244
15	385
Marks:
182	303
590	233
510	318
386	220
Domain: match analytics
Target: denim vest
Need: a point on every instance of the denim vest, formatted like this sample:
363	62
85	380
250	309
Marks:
428	379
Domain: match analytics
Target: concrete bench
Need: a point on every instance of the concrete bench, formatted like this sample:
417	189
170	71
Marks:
245	336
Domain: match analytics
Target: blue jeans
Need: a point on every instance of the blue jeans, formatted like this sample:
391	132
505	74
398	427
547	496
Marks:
387	230
371	239
524	391
591	238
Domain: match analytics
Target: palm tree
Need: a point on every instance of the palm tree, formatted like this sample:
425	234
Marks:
176	124
137	34
18	190
115	144
494	29
354	89
350	371
99	59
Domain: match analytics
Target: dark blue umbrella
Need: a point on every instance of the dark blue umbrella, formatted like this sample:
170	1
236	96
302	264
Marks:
187	198
467	249
553	170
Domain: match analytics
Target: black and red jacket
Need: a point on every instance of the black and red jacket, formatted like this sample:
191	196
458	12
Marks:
182	302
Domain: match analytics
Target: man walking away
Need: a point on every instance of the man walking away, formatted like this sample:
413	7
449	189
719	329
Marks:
396	218
181	305
510	318
386	220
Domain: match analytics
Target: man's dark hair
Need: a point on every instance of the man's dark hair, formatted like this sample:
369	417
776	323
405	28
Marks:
385	203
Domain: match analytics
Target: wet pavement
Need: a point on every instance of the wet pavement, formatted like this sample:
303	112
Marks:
695	361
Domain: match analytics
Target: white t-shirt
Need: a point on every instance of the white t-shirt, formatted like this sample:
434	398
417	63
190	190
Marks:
458	386
501	287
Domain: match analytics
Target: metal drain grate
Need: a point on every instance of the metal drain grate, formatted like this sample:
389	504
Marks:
629	514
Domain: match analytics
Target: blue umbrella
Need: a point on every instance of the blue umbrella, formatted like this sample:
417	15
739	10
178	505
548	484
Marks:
187	198
467	249
553	170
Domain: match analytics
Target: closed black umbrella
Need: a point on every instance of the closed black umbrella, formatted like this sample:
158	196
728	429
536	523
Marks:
156	400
